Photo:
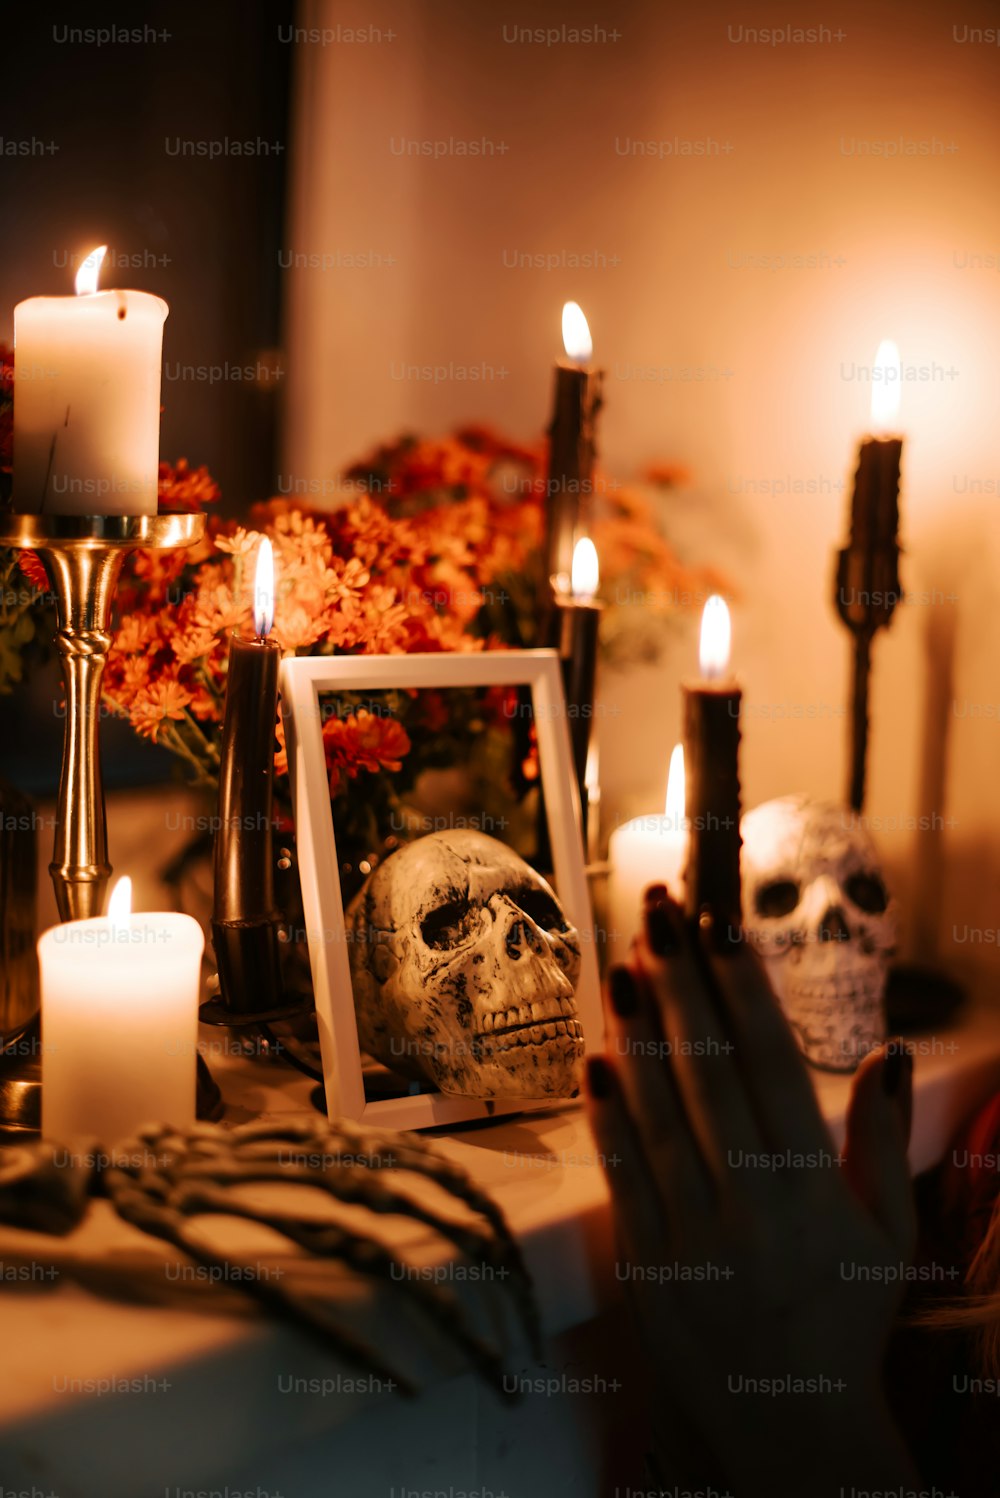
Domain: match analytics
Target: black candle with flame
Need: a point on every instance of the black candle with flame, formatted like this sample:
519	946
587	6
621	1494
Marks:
711	750
244	924
576	622
572	442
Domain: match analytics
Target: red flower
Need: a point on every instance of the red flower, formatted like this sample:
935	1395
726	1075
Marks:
33	570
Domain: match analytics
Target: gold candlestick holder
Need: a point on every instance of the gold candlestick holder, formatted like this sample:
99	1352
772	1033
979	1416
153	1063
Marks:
82	556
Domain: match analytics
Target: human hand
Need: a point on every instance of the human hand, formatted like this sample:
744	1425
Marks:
765	1267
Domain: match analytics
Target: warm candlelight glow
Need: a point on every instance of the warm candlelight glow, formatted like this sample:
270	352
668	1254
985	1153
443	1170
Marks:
120	1006
713	650
676	790
87	275
586	575
592	774
263	590
648	850
87	436
576	334
886	386
120	903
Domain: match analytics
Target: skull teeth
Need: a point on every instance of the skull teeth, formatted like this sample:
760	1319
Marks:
541	1012
569	1030
843	992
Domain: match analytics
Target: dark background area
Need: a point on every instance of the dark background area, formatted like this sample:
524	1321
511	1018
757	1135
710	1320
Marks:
202	233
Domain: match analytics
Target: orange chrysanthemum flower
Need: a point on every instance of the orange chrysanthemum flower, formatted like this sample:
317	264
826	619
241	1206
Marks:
156	704
363	741
185	490
424	555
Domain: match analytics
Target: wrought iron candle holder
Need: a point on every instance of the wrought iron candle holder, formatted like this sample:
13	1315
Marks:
82	556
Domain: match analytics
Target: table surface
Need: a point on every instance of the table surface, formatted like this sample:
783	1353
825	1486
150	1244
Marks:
540	1167
210	1369
70	1333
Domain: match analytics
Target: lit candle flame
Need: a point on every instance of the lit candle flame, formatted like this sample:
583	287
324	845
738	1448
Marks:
576	334
120	903
90	270
592	773
263	590
676	790
586	573
886	386
716	631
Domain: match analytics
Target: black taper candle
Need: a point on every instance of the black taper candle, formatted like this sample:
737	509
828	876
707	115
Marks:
575	626
245	921
712	780
867	583
712	797
577	398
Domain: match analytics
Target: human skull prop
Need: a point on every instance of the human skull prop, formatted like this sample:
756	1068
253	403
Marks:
817	910
465	970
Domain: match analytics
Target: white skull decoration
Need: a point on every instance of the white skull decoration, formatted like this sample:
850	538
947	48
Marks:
465	970
817	910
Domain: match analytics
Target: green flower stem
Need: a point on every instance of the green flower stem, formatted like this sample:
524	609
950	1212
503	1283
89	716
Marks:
210	750
174	740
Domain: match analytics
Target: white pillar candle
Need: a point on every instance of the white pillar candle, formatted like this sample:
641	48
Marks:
648	850
119	1023
87	400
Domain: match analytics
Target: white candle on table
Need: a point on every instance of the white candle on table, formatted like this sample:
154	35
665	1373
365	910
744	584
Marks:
119	1022
87	408
648	850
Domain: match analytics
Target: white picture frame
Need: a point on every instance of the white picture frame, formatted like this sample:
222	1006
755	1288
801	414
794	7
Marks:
303	680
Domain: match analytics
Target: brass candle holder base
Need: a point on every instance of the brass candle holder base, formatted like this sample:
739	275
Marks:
21	1084
82	556
21	1089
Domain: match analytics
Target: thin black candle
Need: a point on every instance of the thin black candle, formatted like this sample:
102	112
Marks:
577	399
867	574
244	924
712	782
576	623
572	631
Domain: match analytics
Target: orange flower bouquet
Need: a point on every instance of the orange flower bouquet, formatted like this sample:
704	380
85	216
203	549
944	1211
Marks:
438	549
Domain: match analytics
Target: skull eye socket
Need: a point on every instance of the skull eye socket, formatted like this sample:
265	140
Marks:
447	925
541	908
777	898
867	892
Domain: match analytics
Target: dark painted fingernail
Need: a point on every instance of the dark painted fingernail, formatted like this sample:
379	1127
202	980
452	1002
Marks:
656	894
624	993
898	1062
600	1077
659	927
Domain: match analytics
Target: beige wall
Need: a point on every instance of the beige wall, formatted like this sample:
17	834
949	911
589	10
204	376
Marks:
891	235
